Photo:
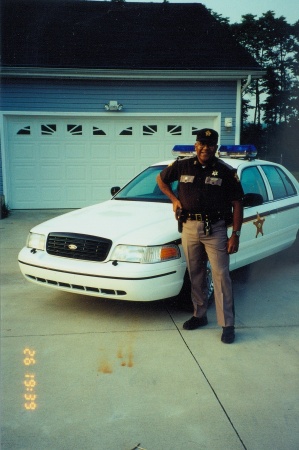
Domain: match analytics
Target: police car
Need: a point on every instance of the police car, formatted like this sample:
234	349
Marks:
129	247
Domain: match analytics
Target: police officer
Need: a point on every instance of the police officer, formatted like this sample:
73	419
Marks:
209	198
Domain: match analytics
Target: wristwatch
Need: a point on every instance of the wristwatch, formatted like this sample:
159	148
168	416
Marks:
237	233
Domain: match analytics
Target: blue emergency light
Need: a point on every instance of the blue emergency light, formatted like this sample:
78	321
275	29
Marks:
247	151
182	151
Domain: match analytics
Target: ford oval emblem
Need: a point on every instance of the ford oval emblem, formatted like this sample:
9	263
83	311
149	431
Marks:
72	247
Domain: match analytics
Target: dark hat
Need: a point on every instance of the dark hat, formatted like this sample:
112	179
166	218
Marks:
207	135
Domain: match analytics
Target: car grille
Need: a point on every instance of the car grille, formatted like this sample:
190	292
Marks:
78	246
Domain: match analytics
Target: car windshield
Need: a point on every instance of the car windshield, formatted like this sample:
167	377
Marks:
144	188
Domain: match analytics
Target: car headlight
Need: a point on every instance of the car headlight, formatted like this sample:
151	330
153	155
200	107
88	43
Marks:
146	255
36	241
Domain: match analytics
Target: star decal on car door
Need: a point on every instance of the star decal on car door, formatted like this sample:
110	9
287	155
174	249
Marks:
259	225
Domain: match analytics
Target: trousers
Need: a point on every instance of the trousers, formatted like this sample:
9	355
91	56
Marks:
198	249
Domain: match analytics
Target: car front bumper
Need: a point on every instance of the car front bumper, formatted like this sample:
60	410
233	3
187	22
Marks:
121	280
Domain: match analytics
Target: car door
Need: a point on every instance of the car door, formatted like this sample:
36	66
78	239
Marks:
259	224
285	200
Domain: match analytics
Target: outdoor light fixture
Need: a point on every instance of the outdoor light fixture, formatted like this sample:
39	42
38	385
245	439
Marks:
228	123
113	105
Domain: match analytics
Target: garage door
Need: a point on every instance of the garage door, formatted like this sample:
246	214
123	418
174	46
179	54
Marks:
59	162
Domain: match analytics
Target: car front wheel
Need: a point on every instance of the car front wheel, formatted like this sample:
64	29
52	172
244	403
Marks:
184	297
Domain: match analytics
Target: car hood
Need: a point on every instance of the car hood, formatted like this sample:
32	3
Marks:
124	222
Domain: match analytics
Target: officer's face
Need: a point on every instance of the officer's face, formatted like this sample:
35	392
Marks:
205	151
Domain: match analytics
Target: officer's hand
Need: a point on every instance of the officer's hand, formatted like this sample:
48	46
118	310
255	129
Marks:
176	204
233	244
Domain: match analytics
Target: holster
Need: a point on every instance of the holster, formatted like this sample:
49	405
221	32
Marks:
181	217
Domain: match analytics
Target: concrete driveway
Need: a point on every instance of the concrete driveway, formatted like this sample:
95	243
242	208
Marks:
84	373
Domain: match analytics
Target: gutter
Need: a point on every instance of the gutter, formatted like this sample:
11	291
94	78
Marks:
126	74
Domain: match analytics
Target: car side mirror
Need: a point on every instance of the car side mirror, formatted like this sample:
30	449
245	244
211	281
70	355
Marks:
252	199
114	190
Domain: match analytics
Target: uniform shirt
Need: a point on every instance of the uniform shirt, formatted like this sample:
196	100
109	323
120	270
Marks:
204	189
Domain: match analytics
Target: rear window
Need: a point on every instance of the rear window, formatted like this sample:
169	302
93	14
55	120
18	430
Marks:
280	183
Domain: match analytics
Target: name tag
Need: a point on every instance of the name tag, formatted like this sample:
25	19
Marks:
214	181
187	178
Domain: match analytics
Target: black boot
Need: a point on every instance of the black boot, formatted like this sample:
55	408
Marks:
195	322
228	335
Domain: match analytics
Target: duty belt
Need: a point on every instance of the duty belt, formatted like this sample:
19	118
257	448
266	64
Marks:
212	217
208	219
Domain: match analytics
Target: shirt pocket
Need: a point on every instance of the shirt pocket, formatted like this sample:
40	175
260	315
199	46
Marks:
187	178
213	181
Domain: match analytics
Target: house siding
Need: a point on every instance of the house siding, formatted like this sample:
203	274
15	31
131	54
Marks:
151	97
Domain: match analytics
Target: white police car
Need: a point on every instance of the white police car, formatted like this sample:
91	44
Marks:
129	247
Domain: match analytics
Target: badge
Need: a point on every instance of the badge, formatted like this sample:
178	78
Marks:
213	181
187	178
215	173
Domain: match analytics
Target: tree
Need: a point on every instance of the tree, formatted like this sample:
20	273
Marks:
219	17
280	47
249	34
275	46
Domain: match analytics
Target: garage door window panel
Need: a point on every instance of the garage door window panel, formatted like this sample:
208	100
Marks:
195	130
48	130
98	131
127	132
174	130
150	130
25	131
74	130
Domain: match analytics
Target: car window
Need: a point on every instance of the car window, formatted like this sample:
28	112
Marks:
252	182
280	183
145	188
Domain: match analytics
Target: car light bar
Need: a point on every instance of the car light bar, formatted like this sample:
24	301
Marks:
247	151
182	151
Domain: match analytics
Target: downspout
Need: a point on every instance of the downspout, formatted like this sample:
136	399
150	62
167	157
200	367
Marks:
246	84
239	107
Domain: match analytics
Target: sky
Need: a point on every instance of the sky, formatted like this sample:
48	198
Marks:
234	9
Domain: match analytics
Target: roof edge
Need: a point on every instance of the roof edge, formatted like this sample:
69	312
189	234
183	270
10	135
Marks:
129	74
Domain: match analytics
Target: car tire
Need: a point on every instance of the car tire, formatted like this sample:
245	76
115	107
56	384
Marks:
184	297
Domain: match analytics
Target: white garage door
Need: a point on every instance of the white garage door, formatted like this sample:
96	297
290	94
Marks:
59	162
